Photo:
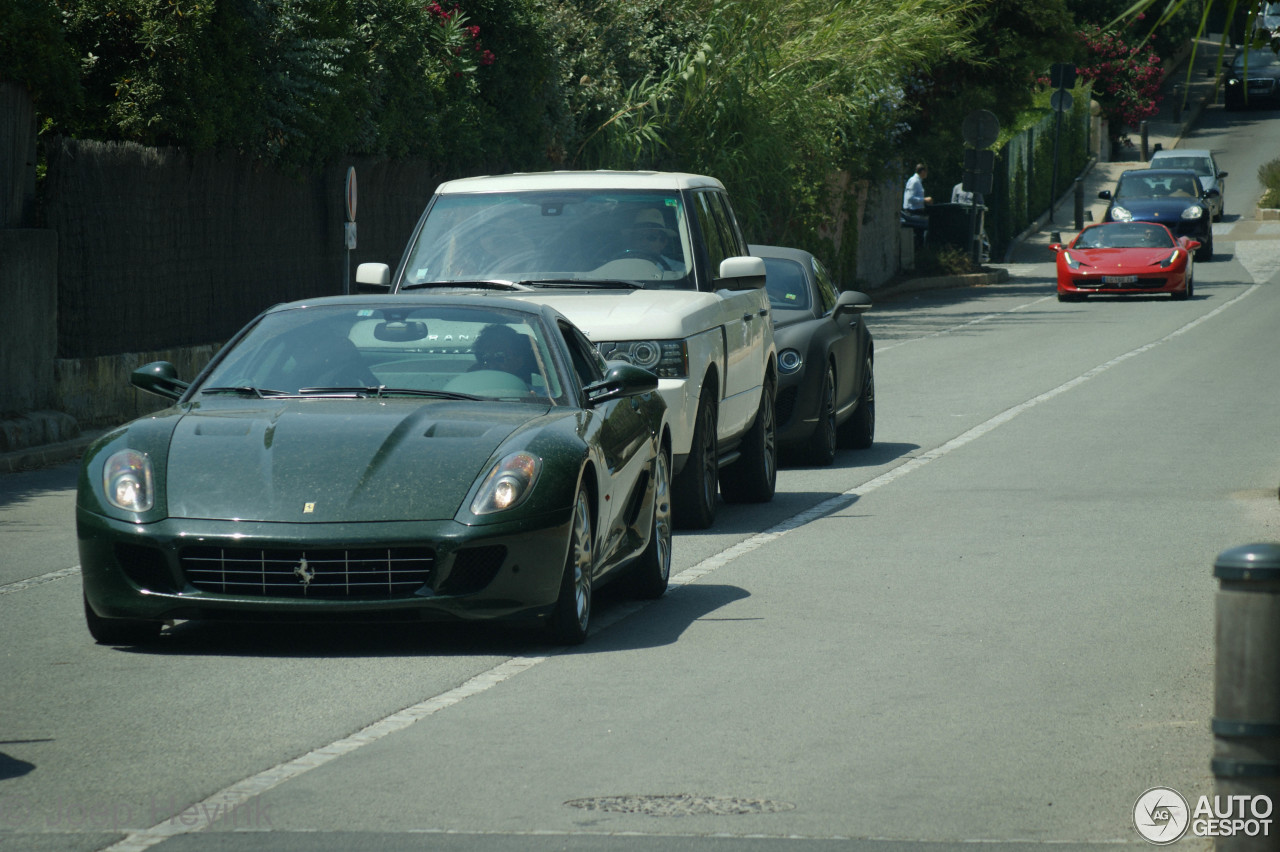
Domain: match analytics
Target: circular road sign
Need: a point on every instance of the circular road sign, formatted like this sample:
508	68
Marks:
351	193
1060	100
981	128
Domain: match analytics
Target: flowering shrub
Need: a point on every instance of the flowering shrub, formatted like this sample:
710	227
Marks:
1126	80
460	41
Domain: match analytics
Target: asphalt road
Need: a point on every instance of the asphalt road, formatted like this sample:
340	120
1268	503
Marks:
992	630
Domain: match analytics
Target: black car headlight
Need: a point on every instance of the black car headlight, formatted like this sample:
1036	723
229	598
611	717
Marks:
1193	213
128	482
507	484
1120	214
668	359
789	361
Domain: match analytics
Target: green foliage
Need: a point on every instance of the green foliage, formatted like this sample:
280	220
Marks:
1269	177
34	52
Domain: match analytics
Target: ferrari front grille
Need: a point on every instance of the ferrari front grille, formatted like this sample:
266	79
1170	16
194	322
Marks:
370	574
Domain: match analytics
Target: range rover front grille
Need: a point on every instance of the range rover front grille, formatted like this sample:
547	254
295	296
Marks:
371	574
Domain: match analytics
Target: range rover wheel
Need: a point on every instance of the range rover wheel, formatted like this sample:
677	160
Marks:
694	494
754	476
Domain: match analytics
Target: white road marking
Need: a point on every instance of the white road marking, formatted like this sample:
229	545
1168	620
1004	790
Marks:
224	803
39	581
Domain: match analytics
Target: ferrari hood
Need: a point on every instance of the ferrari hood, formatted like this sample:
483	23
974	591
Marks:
319	460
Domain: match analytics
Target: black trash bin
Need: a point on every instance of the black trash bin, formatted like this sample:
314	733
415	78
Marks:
950	226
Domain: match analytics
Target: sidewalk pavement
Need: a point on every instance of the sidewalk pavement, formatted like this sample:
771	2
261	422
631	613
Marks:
43	438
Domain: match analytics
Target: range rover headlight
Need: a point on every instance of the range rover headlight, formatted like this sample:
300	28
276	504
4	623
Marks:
127	481
668	359
508	483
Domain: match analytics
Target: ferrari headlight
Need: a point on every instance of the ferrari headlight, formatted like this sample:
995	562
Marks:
1120	214
790	360
1195	212
668	359
1070	260
127	481
1170	260
507	484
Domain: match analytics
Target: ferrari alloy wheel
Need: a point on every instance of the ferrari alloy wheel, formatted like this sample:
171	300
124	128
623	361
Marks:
754	476
571	618
695	487
859	431
822	448
653	568
119	631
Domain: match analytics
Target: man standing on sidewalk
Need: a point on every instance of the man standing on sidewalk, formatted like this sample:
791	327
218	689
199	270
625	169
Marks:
914	201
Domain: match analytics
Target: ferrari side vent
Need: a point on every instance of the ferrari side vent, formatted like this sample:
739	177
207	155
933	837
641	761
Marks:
473	569
371	574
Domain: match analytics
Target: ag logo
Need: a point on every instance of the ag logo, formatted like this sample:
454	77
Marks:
1161	816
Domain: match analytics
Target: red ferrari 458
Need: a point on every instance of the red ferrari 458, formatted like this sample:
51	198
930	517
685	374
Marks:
1124	259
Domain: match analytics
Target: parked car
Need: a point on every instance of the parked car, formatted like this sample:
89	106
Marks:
826	375
381	458
1125	258
653	267
1170	197
1200	161
1253	79
1268	20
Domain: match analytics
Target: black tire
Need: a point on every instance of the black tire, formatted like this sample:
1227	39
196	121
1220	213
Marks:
120	631
821	449
1205	252
652	570
859	431
694	492
571	619
754	476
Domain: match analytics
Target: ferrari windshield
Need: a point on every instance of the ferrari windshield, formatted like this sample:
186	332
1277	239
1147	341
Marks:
563	236
447	351
1124	235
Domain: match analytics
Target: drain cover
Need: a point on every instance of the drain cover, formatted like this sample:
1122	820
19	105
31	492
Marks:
680	804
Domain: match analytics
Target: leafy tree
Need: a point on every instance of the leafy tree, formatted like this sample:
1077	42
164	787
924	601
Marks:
34	52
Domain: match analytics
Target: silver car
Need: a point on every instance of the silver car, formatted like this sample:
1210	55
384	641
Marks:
1204	165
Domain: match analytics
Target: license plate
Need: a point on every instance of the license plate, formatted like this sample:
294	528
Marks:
1119	279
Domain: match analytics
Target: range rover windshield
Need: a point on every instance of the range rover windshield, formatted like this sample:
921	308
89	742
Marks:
554	238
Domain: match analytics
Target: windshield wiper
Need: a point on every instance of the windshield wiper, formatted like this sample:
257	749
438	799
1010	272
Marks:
585	283
479	284
383	390
246	390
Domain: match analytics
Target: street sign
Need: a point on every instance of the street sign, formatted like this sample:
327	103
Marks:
980	129
1062	75
351	193
1061	101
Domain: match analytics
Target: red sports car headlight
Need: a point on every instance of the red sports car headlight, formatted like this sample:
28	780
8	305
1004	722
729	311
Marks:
1070	260
1170	260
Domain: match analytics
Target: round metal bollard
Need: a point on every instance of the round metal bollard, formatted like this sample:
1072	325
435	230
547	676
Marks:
1246	706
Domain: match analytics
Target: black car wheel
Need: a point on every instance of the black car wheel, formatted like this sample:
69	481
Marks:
120	631
1205	252
653	568
754	476
695	487
859	431
821	450
571	618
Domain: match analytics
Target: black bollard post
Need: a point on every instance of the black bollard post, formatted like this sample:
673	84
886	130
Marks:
1246	695
1143	151
1079	199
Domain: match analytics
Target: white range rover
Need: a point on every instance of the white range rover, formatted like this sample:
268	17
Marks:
652	266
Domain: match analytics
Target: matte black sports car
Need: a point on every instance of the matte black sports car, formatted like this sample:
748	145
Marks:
1170	197
826	387
381	458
